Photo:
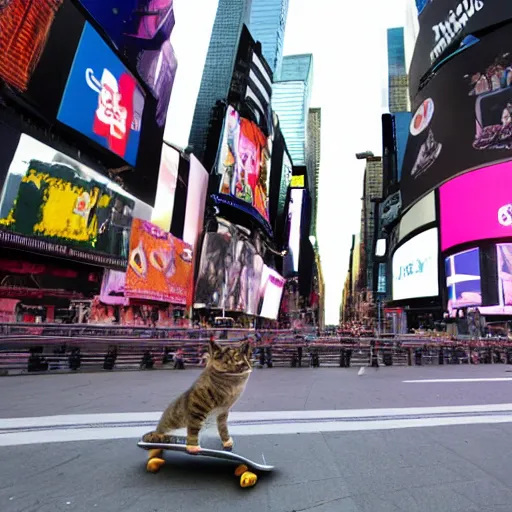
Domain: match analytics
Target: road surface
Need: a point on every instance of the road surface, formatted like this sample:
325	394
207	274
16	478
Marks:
415	439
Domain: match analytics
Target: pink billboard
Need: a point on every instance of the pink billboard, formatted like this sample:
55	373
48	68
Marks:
477	206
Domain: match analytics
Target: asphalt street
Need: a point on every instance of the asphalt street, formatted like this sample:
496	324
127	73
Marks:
339	441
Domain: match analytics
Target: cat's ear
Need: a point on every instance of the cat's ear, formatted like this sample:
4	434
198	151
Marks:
246	348
213	347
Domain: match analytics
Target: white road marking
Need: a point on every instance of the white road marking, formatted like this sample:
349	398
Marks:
89	427
433	381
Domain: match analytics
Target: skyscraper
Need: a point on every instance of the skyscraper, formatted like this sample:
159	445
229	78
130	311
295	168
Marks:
397	72
313	161
267	25
218	68
290	100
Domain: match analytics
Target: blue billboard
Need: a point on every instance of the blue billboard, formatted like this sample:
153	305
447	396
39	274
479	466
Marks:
102	100
141	30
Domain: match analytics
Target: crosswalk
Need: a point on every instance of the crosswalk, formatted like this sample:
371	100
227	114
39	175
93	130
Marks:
112	426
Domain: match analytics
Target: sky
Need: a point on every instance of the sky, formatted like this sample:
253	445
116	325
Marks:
348	43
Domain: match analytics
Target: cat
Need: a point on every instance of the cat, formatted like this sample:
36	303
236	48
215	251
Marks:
214	393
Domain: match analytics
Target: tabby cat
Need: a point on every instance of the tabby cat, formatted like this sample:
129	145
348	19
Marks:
213	394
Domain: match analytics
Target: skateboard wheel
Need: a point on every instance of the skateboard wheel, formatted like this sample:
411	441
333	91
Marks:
154	453
248	479
240	470
154	464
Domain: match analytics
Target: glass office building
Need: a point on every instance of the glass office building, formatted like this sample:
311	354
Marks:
267	25
291	97
397	73
218	68
402	124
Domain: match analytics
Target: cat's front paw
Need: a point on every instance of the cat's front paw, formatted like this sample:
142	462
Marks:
155	437
193	449
228	445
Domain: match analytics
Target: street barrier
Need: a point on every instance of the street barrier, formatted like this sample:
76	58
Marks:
38	349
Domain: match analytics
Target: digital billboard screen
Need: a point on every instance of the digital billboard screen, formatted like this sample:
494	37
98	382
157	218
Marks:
485	216
505	273
294	227
244	162
24	29
463	281
421	214
229	273
415	267
462	118
166	190
443	25
270	293
102	99
141	29
55	204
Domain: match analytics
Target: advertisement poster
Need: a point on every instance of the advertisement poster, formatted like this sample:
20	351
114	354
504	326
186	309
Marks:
230	273
102	99
141	29
443	26
159	265
505	273
166	190
415	267
24	29
52	196
463	279
270	293
244	161
462	119
491	217
294	225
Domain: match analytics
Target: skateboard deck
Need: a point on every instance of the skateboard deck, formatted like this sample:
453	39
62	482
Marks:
179	446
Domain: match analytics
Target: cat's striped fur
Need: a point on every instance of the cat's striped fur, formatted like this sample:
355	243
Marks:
214	393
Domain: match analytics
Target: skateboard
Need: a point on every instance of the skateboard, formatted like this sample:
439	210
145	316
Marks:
247	478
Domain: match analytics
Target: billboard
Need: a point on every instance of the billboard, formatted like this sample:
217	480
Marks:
244	162
141	30
294	227
443	26
166	189
462	117
463	282
505	273
229	273
196	201
421	214
102	99
270	293
159	265
73	210
415	267
487	217
24	29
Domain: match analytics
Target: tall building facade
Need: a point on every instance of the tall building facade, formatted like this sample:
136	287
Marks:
313	160
397	73
267	25
218	69
291	97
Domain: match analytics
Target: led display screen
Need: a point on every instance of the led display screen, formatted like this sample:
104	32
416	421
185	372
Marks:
415	267
270	293
166	190
141	29
229	273
421	214
77	211
244	161
505	273
482	199
462	118
294	225
196	201
102	99
463	283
